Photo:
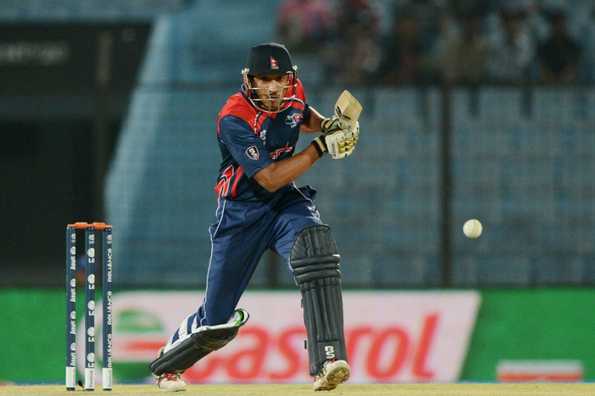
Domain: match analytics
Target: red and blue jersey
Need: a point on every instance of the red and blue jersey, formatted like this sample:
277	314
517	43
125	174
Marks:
251	139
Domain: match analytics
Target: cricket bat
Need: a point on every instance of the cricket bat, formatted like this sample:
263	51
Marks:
348	108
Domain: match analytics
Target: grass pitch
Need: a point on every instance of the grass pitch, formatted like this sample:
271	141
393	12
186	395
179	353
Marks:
538	389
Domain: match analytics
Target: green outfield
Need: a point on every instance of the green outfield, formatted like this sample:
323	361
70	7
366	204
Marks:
305	390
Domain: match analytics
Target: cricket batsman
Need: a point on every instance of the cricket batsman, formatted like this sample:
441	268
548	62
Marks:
259	207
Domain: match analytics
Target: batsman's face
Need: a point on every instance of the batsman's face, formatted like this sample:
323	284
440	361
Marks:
271	90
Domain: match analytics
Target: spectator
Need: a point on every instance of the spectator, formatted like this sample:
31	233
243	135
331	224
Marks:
355	54
403	53
587	34
511	49
362	56
429	15
351	12
559	54
304	25
463	55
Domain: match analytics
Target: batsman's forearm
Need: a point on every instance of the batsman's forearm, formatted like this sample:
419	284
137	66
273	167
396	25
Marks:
280	174
314	121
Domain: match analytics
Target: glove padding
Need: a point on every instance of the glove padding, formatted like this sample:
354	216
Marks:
331	125
340	143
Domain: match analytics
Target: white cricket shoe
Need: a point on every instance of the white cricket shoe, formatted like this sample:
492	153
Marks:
332	374
171	382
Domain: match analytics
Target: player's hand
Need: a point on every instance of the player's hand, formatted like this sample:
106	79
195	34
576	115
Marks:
346	114
338	144
351	137
331	125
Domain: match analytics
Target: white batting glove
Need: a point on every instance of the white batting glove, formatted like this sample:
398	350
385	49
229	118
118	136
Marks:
338	144
351	138
331	125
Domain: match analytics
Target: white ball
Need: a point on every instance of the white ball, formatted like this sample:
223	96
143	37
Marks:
472	228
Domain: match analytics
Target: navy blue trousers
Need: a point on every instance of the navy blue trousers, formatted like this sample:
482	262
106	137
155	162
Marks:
241	235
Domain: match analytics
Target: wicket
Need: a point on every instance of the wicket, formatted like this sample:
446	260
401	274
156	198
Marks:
71	265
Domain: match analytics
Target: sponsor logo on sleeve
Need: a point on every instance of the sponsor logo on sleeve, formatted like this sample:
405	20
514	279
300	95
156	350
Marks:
252	153
280	151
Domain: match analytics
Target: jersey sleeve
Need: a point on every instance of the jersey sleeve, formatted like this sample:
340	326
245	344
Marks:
307	114
245	147
300	91
301	95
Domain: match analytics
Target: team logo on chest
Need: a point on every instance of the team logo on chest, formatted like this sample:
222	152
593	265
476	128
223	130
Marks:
252	153
294	119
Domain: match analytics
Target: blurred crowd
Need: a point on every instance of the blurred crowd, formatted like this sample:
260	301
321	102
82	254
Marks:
430	41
